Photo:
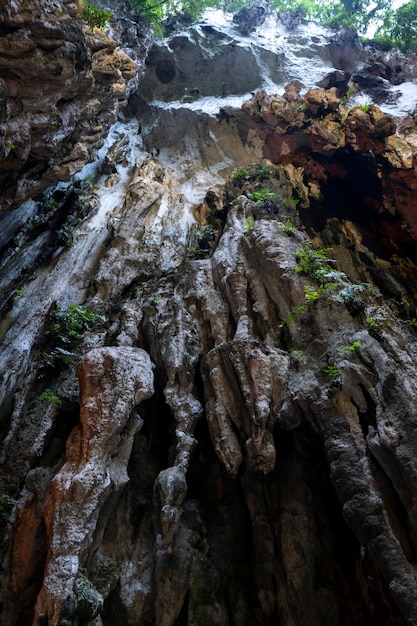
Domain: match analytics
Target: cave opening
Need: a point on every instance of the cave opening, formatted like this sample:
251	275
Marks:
353	191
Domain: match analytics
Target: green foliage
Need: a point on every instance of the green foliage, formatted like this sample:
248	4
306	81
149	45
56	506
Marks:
297	354
352	290
50	397
311	294
49	203
315	263
82	587
301	308
413	322
399	28
333	372
66	331
67	234
350	349
286	321
375	322
261	195
9	144
396	27
310	260
352	90
257	171
95	17
155	12
292	202
239	176
205	237
18	294
289	228
249	224
353	296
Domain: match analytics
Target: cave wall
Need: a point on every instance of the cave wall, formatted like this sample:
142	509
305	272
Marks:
62	86
230	439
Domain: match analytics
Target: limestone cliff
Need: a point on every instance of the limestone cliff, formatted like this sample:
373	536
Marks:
61	87
208	389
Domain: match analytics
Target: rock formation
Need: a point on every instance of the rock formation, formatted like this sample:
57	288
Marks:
61	88
207	394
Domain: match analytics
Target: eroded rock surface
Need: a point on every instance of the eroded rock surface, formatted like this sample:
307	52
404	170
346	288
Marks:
239	445
61	88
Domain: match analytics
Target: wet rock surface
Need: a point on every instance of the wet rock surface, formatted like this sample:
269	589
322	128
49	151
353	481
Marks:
207	398
62	86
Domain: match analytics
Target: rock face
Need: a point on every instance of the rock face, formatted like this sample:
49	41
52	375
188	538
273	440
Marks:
61	88
224	432
112	382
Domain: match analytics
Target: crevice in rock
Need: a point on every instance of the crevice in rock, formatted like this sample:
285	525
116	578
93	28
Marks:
367	418
157	429
54	446
114	612
396	511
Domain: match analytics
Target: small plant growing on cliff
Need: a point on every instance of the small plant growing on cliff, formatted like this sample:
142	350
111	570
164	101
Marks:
67	328
261	195
239	176
248	225
333	372
67	234
205	237
18	294
50	397
311	294
9	144
291	202
82	587
316	264
297	356
95	18
374	322
311	261
257	171
289	228
350	349
352	90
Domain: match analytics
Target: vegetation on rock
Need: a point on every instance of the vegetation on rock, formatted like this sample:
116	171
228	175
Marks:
393	27
95	17
67	328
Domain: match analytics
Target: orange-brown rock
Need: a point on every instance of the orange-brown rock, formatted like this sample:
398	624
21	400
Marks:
317	133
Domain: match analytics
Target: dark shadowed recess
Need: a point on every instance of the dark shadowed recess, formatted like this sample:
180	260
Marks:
353	191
